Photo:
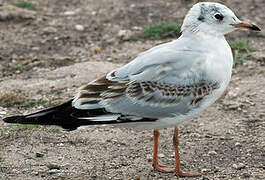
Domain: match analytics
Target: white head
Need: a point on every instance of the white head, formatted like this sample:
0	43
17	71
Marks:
213	18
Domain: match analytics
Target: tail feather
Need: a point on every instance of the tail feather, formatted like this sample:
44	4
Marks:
70	118
14	119
58	115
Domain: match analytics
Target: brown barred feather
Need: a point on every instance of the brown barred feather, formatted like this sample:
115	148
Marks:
104	89
89	102
89	95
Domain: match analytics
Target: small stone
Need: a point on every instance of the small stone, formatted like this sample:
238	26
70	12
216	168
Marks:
2	112
238	166
54	171
124	34
79	27
53	166
93	13
109	59
234	166
69	13
233	106
35	48
35	173
95	49
49	30
232	94
217	169
246	175
149	158
39	154
161	155
124	163
205	170
237	144
208	136
137	28
60	144
212	153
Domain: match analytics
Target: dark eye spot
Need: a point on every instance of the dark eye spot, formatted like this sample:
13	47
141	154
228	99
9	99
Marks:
219	17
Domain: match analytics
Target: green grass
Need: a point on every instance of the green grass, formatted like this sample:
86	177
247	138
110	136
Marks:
161	31
17	68
241	51
243	46
39	102
34	103
22	127
25	5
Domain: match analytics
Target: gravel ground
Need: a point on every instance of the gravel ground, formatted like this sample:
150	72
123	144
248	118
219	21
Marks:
44	55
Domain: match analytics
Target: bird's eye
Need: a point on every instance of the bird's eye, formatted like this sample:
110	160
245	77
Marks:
219	16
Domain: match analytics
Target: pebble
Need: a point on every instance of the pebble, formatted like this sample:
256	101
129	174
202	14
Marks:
232	94
233	106
39	154
35	173
109	59
95	49
60	144
246	175
93	13
137	28
217	169
212	153
161	155
35	48
205	170
69	13
2	112
238	166
124	34
149	157
237	144
79	27
49	30
53	166
54	171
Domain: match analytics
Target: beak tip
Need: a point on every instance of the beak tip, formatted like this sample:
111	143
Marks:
255	28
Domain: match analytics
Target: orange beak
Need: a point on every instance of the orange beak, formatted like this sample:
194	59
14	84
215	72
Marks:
246	25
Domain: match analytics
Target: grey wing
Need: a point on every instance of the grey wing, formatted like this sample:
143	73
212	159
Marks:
150	89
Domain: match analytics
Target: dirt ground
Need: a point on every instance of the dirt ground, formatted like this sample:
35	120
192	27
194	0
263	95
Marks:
44	56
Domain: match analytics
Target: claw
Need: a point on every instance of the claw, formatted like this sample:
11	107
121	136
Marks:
182	174
163	168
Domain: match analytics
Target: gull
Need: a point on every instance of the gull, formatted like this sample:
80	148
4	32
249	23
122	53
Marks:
161	87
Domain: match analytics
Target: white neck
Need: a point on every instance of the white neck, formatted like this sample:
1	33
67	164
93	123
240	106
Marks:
202	35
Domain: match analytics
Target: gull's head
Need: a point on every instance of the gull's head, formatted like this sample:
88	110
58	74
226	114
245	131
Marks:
213	18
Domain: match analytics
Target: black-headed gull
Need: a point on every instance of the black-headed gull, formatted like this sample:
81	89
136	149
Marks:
161	87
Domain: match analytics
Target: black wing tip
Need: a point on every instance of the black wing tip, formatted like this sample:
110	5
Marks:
13	119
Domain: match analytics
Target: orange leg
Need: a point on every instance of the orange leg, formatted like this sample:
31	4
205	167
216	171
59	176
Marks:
159	167
178	171
163	168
